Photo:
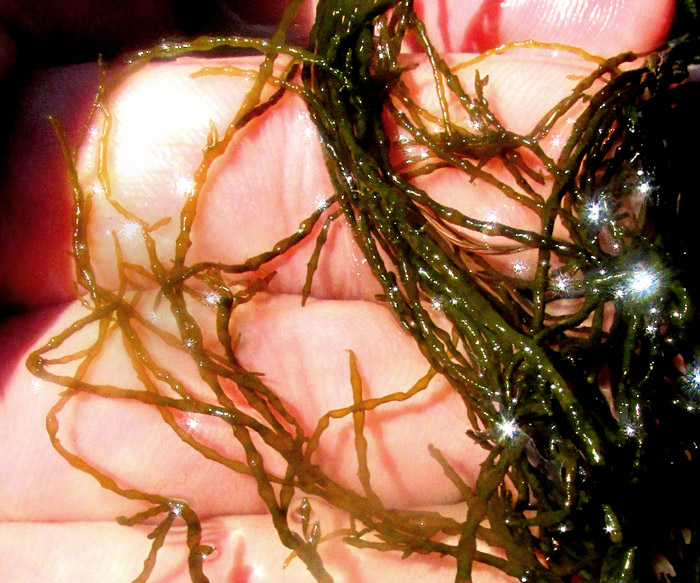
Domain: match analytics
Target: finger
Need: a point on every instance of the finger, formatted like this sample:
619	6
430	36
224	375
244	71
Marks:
303	355
604	27
271	178
246	549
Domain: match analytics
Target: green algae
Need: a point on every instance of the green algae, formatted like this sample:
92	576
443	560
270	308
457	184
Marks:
576	485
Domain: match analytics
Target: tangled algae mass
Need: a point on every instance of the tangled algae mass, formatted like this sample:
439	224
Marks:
587	413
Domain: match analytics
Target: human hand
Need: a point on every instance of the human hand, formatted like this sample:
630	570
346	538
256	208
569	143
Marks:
244	211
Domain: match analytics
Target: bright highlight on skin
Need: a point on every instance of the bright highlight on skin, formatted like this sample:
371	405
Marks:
192	422
130	230
212	299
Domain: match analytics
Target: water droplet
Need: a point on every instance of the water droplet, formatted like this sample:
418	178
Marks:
519	267
176	508
596	212
211	299
691	381
507	429
641	282
192	422
561	282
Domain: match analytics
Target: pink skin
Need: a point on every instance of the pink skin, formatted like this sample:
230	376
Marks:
310	369
595	26
240	215
151	162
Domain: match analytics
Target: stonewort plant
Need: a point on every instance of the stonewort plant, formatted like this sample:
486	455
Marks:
586	415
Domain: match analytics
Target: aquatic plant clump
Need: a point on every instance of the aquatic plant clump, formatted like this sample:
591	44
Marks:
588	416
